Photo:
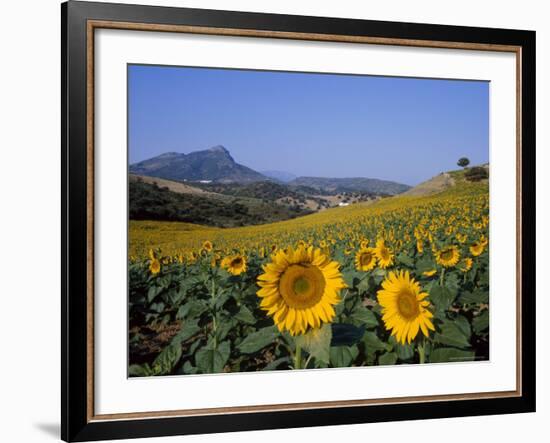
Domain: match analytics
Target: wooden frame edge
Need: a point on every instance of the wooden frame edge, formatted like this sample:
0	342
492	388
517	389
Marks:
91	25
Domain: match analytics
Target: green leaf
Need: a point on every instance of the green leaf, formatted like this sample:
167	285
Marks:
188	368
404	352
378	276
364	285
245	315
452	334
258	340
364	316
424	264
317	342
452	282
476	297
445	355
140	370
441	297
464	325
481	322
191	309
188	329
276	363
388	358
342	356
153	292
373	343
344	334
406	260
211	359
168	358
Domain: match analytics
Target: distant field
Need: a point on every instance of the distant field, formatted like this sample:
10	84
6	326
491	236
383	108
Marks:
182	238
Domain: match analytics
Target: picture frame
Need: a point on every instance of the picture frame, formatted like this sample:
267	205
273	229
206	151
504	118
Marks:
80	22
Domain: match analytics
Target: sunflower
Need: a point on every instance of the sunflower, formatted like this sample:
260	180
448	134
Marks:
477	248
404	307
448	256
429	273
299	288
364	243
365	259
383	254
466	264
154	266
207	246
420	246
234	264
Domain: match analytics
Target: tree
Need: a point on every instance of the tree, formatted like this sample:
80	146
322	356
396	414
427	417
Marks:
463	162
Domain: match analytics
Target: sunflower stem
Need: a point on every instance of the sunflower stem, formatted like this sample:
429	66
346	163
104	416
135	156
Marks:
298	357
422	352
307	361
442	279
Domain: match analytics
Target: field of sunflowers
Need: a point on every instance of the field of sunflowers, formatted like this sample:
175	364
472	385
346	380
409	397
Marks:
400	281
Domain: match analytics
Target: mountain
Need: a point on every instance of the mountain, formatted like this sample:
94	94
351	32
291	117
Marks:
214	164
281	176
354	184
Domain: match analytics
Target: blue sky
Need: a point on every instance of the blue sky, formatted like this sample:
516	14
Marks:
328	125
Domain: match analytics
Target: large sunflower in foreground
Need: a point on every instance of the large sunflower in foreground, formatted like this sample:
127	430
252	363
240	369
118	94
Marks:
448	256
383	254
365	259
299	289
404	307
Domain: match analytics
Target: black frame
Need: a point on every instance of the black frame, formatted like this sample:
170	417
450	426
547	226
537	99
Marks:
74	421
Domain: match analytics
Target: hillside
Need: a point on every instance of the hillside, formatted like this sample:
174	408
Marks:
153	201
447	180
174	186
280	176
214	164
353	184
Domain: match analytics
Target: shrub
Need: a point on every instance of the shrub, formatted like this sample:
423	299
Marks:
476	174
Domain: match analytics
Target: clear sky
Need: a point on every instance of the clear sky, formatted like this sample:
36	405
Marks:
327	125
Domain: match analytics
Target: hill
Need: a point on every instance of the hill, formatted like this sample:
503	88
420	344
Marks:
447	180
281	176
214	164
354	184
149	200
174	186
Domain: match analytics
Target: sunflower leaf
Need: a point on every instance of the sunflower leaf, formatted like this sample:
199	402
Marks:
404	352
245	315
481	322
342	356
344	334
424	264
153	292
388	358
276	363
191	309
446	355
363	316
258	340
453	334
211	359
442	297
405	260
477	296
168	358
317	342
189	329
373	343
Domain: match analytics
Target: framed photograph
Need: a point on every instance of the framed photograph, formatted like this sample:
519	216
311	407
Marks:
275	221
